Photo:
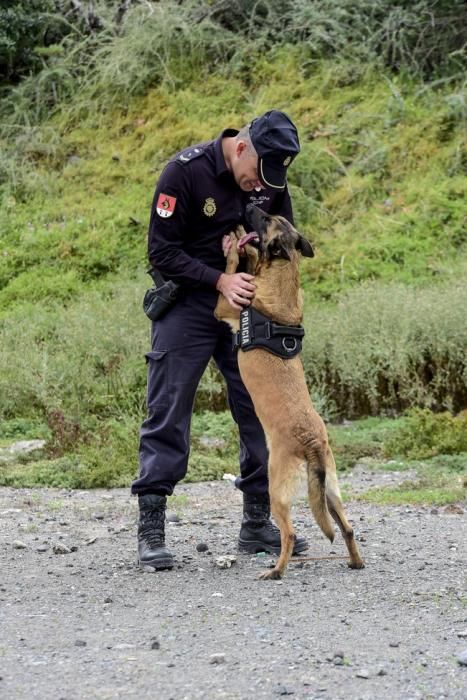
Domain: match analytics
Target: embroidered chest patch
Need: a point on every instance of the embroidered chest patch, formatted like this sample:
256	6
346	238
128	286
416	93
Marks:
165	205
209	208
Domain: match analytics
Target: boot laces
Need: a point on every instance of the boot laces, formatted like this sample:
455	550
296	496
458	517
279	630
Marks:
260	515
269	525
151	526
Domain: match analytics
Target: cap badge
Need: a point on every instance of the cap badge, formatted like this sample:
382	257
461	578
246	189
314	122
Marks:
287	161
209	207
165	205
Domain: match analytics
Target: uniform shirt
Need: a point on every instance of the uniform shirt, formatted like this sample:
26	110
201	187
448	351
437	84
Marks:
196	203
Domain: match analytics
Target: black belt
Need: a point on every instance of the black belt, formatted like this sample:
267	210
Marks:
259	331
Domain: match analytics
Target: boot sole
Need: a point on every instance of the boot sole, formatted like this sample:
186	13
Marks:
255	547
158	564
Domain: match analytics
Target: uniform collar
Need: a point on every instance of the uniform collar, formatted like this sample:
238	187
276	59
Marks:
221	165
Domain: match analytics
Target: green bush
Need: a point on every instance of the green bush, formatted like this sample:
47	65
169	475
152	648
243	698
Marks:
424	434
83	359
389	347
70	472
39	284
106	456
110	456
421	37
22	29
154	43
23	429
381	348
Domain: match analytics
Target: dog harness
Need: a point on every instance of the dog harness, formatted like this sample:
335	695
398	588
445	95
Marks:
259	331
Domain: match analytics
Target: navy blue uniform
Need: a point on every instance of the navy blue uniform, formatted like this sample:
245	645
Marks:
196	203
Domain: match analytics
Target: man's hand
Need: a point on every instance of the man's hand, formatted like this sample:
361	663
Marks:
238	288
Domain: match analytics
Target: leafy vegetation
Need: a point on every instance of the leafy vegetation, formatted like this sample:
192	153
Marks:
386	347
22	26
108	458
87	193
382	348
96	96
106	455
425	434
361	440
95	56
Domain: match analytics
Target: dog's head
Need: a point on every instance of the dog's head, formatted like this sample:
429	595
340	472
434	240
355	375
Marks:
273	236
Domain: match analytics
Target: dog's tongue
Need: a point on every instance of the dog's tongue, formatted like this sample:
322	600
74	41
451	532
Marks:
247	238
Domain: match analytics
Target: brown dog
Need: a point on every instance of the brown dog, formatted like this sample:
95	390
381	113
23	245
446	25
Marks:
295	433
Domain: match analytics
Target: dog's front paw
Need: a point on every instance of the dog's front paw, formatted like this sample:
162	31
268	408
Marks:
229	246
239	232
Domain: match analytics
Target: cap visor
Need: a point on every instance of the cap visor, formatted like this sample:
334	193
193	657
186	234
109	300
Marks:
271	175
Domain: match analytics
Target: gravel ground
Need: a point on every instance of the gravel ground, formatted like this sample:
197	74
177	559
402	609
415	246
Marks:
79	620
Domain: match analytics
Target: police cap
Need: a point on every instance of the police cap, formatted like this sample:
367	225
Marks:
275	139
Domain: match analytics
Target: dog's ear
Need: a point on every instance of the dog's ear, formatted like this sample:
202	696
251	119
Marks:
277	248
305	248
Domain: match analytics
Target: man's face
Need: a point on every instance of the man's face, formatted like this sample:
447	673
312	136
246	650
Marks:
245	168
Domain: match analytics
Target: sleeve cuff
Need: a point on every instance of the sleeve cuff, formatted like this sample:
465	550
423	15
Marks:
211	276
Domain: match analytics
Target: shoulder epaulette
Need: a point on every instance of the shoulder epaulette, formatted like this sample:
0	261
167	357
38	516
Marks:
189	154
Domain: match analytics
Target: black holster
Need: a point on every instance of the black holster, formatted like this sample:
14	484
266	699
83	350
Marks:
160	298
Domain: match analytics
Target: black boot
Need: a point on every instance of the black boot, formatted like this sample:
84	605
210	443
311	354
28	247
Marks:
151	532
258	533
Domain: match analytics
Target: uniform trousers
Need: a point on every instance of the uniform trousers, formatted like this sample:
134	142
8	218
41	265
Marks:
183	342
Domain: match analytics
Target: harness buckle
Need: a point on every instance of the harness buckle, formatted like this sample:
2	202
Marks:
289	344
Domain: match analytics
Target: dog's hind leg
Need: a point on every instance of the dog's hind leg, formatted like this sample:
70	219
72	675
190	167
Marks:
336	508
283	477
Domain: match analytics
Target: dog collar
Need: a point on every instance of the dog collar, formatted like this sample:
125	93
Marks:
259	331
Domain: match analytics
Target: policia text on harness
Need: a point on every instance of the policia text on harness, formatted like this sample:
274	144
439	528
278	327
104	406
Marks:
258	331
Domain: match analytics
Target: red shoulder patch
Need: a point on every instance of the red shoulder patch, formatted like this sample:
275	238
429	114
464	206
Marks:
166	205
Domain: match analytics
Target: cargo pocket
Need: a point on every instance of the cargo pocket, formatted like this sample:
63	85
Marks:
158	380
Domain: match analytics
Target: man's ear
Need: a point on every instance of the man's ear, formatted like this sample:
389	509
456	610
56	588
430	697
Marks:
240	147
304	246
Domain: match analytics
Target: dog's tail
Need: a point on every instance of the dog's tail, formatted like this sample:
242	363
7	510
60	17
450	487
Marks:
317	497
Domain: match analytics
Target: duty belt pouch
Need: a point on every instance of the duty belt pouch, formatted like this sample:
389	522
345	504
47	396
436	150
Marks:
160	298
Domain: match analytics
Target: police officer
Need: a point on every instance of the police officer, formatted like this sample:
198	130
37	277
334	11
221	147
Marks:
200	197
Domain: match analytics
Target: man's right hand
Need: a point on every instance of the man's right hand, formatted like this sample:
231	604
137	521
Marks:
238	288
